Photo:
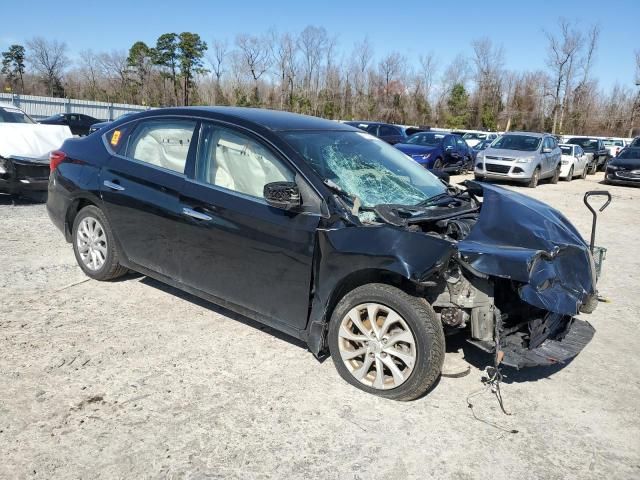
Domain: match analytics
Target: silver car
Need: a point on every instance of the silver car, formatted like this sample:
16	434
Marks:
520	156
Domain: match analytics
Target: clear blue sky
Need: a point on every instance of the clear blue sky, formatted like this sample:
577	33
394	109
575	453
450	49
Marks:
412	27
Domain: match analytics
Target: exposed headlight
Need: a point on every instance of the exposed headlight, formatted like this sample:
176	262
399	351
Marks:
613	167
3	166
425	156
524	160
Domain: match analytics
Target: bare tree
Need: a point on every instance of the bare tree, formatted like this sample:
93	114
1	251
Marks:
49	59
561	54
256	55
284	52
428	70
90	70
313	43
488	60
217	58
113	66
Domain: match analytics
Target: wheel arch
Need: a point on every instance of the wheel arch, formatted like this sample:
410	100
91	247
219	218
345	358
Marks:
318	329
72	211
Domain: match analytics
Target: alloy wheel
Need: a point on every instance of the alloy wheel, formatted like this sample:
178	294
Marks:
91	240
377	346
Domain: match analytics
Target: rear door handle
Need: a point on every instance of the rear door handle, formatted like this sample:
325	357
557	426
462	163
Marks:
113	186
195	214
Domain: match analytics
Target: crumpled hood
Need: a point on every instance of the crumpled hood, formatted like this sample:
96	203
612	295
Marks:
31	140
525	240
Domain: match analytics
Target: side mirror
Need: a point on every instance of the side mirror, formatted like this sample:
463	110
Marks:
448	148
283	195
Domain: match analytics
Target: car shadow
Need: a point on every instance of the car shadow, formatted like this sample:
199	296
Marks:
19	200
481	359
219	310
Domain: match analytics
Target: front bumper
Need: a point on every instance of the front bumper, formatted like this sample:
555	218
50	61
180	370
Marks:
622	177
503	170
561	347
554	340
24	175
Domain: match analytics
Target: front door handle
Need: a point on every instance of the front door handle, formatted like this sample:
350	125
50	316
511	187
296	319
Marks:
195	214
113	186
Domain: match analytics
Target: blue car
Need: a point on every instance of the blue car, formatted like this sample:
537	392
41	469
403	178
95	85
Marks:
438	151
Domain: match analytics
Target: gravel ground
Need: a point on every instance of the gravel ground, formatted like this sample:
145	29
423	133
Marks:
132	379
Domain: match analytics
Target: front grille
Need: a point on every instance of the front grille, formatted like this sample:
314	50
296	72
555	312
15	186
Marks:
24	170
495	168
504	159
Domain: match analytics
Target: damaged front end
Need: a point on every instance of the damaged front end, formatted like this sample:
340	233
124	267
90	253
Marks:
509	270
23	175
520	274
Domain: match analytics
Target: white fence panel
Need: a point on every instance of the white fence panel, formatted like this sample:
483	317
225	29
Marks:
41	107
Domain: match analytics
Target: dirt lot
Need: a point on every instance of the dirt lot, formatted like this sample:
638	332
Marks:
133	379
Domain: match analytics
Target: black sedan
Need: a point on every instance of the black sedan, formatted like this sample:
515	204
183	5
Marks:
388	132
625	168
79	123
327	234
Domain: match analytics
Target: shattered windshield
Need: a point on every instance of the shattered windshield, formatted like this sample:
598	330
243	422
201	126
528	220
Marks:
366	167
425	139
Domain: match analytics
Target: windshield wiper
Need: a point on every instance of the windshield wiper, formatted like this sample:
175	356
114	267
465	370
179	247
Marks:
354	199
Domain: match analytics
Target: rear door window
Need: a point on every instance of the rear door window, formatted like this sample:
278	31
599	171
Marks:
163	143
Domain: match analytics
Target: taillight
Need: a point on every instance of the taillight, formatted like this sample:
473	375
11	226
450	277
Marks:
55	158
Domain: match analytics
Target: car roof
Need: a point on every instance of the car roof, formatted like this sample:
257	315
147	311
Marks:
531	134
275	120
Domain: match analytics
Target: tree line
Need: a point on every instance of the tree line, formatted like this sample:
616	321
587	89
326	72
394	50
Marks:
307	72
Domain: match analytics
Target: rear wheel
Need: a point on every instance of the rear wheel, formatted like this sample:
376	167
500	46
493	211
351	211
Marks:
556	176
593	168
584	172
94	245
535	178
386	342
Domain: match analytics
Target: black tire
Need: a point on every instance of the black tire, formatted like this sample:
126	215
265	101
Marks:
584	172
593	168
556	176
535	178
570	176
111	268
467	166
424	325
437	165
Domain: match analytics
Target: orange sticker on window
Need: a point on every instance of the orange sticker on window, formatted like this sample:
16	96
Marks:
115	138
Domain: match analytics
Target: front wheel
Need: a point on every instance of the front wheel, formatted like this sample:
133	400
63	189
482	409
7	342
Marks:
535	178
437	165
94	245
386	342
570	176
